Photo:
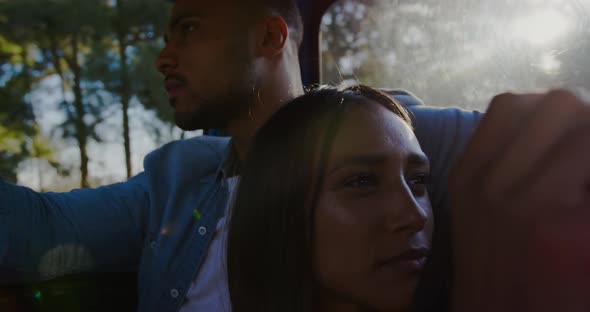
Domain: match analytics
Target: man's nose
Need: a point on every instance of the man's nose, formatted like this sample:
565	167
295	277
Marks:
166	60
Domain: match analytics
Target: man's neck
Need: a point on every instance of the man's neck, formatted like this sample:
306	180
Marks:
242	130
283	84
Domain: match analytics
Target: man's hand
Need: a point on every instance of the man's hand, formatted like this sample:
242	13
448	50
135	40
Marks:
520	199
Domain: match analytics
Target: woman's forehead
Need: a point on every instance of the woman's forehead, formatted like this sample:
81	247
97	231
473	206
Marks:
374	129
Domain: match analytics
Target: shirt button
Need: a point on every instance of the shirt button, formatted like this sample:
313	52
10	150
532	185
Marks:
202	230
174	293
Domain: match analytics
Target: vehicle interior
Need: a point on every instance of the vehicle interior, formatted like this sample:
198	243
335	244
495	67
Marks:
448	53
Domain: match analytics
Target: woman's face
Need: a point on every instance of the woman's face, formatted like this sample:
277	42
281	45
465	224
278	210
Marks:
373	221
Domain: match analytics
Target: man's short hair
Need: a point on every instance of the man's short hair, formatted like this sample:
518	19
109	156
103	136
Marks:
287	9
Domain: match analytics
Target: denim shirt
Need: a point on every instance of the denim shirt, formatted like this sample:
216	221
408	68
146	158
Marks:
160	222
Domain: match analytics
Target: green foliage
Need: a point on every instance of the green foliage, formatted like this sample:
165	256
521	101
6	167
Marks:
20	138
149	83
79	41
143	23
141	20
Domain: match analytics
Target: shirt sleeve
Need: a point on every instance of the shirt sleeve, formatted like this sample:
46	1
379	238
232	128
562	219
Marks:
443	134
45	235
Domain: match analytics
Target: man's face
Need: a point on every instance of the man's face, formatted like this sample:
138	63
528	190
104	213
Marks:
208	63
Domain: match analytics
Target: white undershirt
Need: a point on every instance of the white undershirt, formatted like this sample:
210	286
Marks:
208	291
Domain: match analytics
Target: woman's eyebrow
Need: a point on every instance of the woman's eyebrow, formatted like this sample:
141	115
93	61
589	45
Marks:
413	160
364	159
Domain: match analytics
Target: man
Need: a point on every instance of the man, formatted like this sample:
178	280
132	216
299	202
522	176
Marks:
227	64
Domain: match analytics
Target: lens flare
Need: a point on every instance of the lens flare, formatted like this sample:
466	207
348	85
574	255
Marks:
542	27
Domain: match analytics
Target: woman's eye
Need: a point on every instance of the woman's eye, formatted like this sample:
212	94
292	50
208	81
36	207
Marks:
361	181
422	179
419	182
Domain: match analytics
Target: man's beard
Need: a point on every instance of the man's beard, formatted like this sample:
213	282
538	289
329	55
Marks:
223	105
216	113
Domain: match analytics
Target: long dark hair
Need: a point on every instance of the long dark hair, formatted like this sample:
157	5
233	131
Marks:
269	259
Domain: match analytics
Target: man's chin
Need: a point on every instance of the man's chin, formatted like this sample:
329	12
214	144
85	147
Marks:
198	121
184	123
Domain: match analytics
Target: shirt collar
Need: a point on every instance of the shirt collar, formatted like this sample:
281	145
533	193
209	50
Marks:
230	166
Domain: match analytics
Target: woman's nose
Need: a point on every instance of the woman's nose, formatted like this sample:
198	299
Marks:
406	213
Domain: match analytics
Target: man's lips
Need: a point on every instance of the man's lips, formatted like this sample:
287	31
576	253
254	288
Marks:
174	86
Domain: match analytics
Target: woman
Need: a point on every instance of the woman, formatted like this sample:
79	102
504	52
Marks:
332	212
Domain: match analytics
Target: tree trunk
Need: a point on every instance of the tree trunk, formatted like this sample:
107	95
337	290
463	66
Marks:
125	91
81	130
31	114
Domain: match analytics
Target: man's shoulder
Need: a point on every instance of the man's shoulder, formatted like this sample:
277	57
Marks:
205	143
206	151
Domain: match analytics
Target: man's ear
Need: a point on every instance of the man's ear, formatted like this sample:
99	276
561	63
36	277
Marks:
272	34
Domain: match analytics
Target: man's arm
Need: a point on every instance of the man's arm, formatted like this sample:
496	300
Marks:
521	207
44	235
443	134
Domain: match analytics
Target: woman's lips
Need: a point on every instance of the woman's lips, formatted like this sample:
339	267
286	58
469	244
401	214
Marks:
412	260
415	265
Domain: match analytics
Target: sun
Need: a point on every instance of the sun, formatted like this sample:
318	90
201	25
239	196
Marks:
542	27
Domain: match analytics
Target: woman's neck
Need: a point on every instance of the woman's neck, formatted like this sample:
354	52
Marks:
330	303
339	307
